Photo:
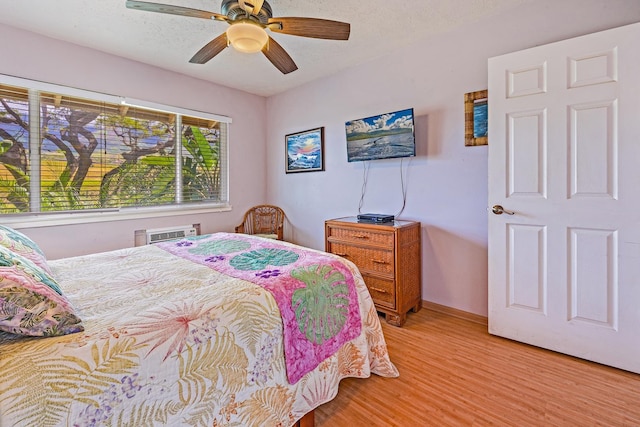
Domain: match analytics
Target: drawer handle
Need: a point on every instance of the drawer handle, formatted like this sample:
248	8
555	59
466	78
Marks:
341	254
382	291
360	236
379	261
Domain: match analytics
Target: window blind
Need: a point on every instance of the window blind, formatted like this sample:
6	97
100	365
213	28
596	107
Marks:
96	154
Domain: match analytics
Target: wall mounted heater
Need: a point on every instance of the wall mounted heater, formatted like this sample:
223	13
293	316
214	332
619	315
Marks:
157	235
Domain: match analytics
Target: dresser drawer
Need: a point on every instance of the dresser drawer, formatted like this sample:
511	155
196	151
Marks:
382	291
377	238
367	259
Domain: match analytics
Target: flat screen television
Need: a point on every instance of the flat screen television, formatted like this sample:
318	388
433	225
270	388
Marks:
385	136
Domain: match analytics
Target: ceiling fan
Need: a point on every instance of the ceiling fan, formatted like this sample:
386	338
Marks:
248	20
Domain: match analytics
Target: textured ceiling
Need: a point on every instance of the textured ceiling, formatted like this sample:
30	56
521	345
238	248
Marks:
168	41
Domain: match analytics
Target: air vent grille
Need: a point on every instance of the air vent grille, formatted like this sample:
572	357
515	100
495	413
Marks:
164	234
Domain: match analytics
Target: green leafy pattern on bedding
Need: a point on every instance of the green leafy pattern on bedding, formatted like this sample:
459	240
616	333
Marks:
262	258
321	306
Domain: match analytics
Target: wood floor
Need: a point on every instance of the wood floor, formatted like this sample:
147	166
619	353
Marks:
453	373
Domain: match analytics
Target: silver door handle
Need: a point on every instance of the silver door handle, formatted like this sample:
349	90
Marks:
499	210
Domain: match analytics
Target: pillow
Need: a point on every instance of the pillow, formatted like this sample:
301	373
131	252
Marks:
21	244
31	302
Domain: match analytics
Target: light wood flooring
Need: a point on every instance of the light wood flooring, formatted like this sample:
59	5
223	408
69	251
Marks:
453	373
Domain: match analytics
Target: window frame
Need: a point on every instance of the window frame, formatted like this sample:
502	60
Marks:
44	219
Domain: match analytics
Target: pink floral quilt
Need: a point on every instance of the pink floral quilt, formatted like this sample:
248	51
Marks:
315	292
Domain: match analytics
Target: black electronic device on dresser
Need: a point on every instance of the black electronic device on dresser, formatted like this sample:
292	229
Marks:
375	218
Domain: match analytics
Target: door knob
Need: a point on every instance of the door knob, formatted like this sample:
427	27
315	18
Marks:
499	210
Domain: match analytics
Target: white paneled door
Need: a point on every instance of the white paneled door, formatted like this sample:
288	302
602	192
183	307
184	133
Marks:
564	197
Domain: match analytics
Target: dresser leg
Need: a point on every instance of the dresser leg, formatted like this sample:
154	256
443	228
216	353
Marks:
416	308
395	319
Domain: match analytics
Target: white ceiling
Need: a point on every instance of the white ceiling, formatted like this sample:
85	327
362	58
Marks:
169	41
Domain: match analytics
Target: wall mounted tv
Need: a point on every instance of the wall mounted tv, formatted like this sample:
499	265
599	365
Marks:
384	136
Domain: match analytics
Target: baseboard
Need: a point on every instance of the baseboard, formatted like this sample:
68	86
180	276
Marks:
476	318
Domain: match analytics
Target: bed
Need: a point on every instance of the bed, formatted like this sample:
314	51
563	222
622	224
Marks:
215	330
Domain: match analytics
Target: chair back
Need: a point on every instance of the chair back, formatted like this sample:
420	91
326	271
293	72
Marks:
264	220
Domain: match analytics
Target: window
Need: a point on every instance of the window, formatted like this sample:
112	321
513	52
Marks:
62	151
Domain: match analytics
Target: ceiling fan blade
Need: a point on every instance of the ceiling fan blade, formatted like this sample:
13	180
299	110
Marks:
251	6
311	27
279	57
174	10
210	50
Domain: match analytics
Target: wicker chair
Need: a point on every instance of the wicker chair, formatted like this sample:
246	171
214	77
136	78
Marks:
264	221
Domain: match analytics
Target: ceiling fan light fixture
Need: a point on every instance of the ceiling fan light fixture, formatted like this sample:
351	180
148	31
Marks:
247	37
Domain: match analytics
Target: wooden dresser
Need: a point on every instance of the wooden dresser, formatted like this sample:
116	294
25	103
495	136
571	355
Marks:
388	256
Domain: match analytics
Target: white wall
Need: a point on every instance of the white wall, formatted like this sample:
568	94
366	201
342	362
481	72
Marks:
447	182
27	55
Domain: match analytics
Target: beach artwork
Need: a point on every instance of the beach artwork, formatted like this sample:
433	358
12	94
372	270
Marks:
480	118
304	151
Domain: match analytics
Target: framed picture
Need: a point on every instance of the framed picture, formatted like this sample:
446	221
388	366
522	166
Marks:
304	151
476	116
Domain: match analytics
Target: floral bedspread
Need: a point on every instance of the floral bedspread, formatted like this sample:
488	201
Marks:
170	342
315	291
